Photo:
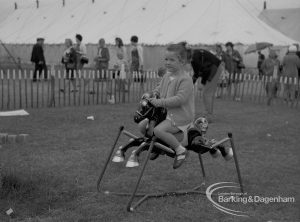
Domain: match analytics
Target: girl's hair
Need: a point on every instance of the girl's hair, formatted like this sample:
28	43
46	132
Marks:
79	37
120	42
182	51
69	42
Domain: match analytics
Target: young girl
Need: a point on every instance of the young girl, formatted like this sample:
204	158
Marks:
121	72
176	94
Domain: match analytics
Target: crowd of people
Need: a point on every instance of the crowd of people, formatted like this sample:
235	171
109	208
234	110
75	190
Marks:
289	68
75	57
221	64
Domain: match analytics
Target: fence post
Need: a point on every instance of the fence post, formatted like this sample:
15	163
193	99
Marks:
79	83
2	90
104	76
25	88
296	82
75	86
8	89
31	88
88	83
20	89
93	82
43	79
84	87
59	85
64	76
37	89
243	80
260	85
14	87
52	88
98	78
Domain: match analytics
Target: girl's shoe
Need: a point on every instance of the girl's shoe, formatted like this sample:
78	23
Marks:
179	159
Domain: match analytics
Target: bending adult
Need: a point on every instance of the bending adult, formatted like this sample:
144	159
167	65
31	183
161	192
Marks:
207	66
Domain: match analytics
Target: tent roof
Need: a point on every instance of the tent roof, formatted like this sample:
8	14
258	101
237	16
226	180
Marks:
154	21
283	20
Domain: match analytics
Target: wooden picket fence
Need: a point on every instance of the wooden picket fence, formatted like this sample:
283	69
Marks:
18	91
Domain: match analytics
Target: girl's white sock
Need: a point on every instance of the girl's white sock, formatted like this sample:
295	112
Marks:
180	149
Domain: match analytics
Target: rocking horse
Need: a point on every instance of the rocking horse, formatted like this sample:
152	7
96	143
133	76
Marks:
196	141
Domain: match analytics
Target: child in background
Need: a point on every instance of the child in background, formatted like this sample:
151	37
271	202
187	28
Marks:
121	68
176	94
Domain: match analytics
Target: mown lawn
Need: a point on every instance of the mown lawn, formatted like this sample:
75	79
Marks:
54	174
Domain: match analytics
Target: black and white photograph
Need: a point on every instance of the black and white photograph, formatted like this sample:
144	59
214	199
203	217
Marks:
149	110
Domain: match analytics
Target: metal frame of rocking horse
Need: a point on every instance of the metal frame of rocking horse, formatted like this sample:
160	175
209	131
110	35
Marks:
144	196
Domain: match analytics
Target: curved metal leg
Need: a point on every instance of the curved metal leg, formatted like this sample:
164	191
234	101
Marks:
202	168
129	205
108	158
236	162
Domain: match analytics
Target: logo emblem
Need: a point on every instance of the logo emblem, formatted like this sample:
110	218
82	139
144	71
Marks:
217	186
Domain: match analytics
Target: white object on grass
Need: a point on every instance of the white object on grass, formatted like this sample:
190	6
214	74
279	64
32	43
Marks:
20	112
9	211
91	118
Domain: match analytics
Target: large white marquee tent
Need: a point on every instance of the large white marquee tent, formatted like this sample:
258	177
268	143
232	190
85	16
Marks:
154	21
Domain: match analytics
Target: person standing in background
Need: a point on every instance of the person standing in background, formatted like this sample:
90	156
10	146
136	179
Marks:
219	52
102	59
233	64
291	64
69	59
136	60
224	78
270	69
38	58
119	46
261	58
298	85
81	53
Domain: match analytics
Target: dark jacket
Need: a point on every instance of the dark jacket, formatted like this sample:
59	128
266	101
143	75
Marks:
232	62
298	54
205	64
37	54
291	64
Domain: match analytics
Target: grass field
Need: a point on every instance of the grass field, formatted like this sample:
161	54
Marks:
53	176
